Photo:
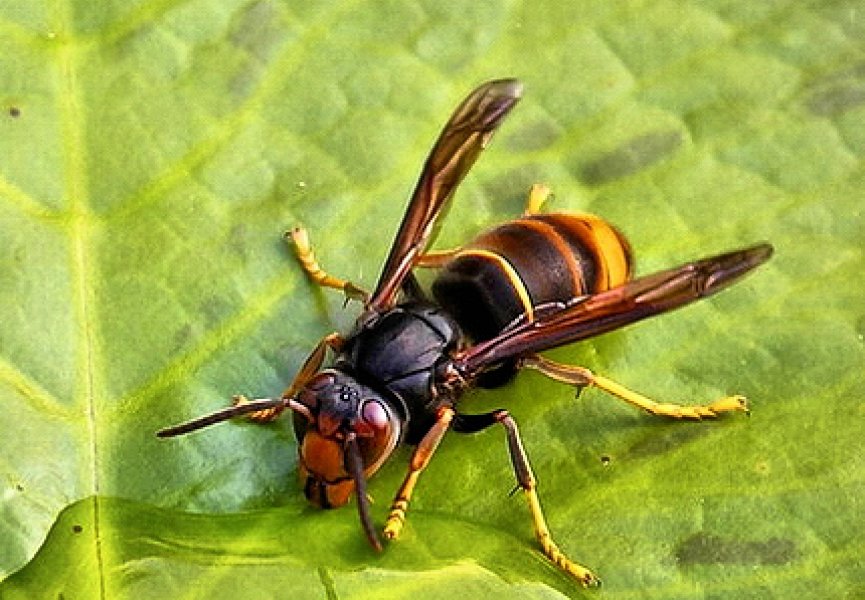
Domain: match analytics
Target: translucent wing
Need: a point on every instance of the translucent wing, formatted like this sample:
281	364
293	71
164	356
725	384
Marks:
587	316
464	136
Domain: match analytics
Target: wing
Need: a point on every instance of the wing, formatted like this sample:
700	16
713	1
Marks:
559	324
464	136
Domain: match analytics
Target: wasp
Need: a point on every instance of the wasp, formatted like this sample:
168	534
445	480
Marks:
529	285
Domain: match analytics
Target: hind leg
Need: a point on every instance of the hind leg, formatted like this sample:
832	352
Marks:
582	377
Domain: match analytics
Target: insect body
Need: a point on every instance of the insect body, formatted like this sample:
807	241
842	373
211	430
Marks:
535	283
534	261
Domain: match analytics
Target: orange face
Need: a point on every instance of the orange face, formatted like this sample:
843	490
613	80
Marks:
340	409
329	485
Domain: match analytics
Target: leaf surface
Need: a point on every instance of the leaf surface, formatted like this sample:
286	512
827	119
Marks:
153	153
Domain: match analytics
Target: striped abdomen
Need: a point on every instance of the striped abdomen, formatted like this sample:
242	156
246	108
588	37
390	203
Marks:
508	270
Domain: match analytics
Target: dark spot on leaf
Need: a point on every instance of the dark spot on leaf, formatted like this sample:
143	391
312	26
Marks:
19	487
214	310
837	99
660	442
244	81
706	549
533	136
505	197
181	337
14	111
258	30
630	157
77	529
762	467
606	460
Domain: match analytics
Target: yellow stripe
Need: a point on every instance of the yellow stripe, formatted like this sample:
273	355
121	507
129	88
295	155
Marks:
612	264
513	276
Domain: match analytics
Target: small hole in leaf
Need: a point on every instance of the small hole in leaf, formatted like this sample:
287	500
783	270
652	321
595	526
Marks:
606	460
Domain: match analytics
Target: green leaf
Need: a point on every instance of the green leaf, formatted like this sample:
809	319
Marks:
152	155
149	552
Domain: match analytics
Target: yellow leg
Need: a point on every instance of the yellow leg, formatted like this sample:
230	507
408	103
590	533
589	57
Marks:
550	548
419	460
310	367
537	196
528	483
582	377
435	259
304	253
526	480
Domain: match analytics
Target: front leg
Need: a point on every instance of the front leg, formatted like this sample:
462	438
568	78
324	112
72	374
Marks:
310	367
419	460
303	250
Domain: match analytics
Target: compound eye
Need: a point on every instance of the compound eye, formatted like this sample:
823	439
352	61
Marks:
375	415
377	433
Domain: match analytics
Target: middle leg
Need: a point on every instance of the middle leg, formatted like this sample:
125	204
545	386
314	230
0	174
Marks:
310	367
435	259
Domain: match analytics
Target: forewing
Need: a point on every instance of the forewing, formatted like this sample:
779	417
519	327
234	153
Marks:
587	316
464	136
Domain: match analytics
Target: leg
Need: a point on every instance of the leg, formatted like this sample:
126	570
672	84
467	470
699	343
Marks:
582	377
526	480
303	250
435	259
419	460
310	367
537	196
